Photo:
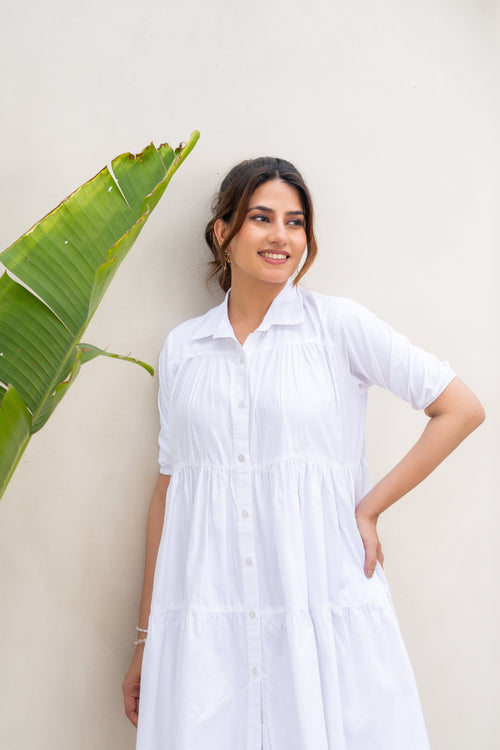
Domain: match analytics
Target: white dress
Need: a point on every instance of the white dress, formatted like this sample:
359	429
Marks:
264	632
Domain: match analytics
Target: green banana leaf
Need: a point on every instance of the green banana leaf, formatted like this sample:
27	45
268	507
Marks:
57	274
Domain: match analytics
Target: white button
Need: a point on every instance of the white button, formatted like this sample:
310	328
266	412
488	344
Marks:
242	360
241	405
248	561
244	513
255	670
241	458
251	613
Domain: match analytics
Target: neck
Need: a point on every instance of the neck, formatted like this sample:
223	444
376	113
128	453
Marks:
249	301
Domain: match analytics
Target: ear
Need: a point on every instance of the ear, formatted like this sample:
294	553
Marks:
221	229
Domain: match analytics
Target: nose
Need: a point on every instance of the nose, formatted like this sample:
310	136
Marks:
277	233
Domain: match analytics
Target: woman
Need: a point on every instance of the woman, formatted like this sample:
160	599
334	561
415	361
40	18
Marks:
270	624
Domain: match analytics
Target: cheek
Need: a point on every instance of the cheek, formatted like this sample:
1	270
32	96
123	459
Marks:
251	243
245	239
300	242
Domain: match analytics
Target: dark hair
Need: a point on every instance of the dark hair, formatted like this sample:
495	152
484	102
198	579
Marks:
231	203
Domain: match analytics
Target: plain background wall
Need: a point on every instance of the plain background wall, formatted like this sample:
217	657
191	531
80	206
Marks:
390	109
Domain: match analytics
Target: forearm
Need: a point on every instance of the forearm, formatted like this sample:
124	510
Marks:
452	417
153	535
132	681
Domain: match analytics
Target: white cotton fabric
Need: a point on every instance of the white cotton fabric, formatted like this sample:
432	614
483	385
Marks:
264	632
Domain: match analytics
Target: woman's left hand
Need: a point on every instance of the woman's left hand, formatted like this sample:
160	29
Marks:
453	415
367	526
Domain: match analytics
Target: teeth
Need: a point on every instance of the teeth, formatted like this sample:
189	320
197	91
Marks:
274	256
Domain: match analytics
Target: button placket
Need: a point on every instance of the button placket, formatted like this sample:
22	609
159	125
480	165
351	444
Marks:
242	482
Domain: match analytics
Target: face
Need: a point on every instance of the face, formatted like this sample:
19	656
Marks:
272	239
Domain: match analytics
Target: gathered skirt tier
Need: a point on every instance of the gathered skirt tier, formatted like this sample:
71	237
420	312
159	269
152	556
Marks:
264	632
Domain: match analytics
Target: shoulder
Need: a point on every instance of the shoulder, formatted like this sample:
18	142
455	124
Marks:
336	315
188	328
183	333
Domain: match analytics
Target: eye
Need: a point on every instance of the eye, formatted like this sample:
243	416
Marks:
297	222
259	217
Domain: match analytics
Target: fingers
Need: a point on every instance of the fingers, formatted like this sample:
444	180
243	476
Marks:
131	688
131	701
373	554
367	527
131	709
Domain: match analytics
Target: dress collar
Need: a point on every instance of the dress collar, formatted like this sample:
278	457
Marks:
285	309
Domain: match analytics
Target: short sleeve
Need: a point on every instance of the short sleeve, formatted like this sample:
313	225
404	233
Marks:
379	355
164	367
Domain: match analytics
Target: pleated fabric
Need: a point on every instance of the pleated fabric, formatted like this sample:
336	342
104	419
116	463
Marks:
264	632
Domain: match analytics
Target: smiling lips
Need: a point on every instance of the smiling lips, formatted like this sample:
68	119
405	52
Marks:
274	257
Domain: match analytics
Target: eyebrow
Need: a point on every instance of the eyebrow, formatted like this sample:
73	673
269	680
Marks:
272	211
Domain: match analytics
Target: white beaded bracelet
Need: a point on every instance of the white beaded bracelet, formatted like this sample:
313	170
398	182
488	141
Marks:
139	641
141	630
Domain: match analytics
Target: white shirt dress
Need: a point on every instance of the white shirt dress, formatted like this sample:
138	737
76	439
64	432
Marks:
264	632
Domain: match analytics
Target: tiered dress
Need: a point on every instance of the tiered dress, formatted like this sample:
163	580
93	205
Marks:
264	632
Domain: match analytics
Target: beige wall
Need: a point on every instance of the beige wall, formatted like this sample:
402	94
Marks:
390	108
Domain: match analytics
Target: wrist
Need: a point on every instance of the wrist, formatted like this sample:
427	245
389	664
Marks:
142	634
